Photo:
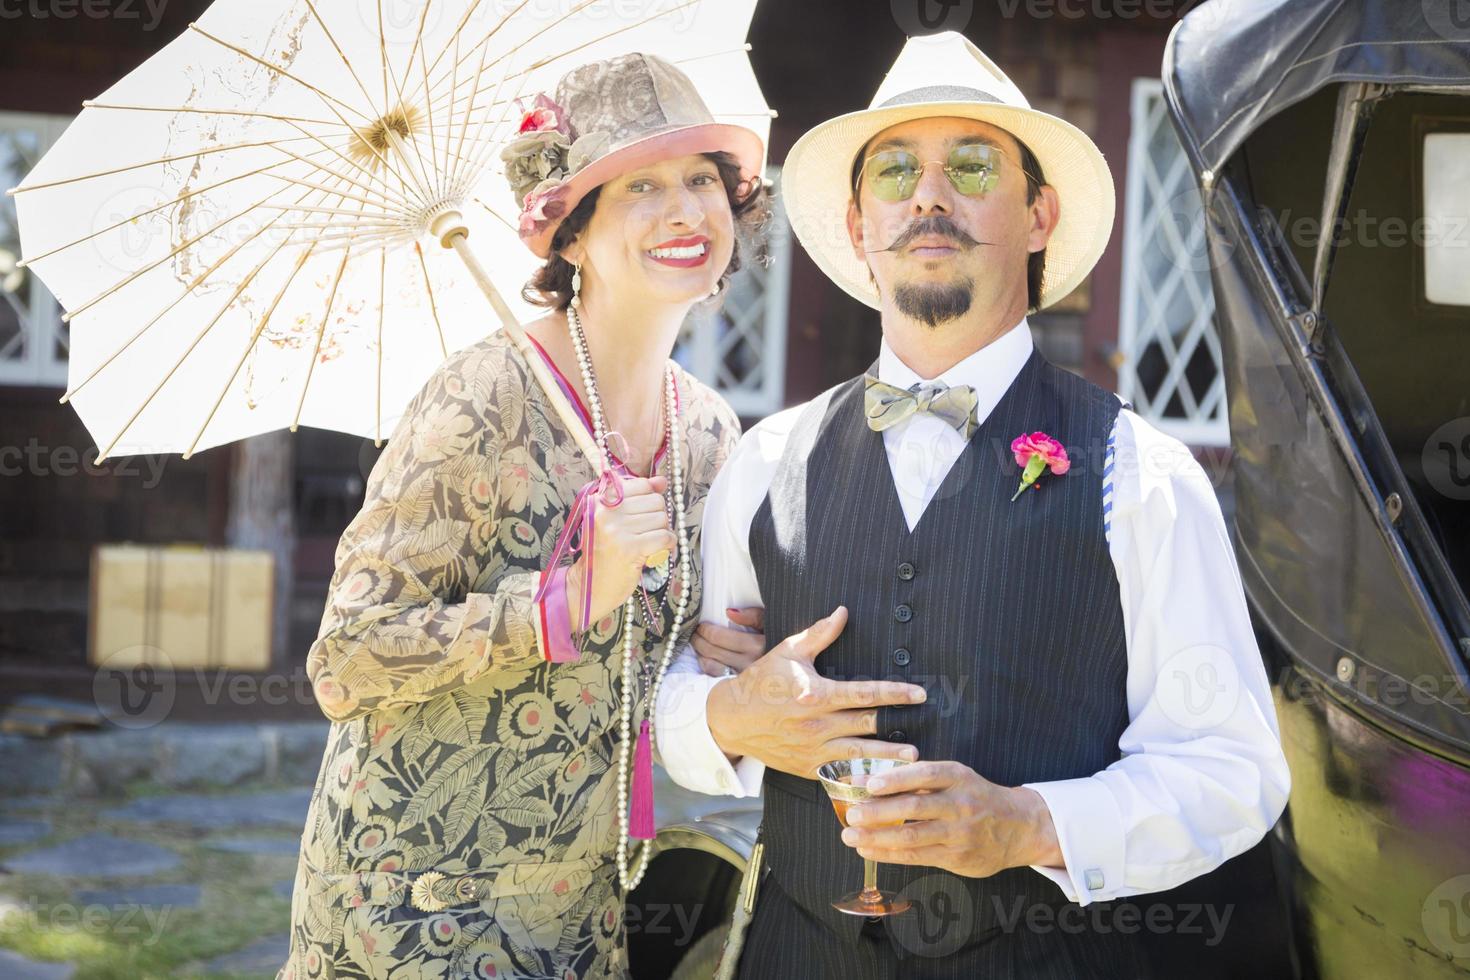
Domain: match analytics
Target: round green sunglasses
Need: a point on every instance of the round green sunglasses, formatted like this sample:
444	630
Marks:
973	169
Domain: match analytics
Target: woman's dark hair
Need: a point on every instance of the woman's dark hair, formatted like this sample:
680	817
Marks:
551	286
1031	167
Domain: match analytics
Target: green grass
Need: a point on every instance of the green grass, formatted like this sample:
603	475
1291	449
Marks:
237	902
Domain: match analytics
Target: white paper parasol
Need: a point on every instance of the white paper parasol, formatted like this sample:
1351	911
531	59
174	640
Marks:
252	230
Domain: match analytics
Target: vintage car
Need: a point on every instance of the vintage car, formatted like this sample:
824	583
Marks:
1346	343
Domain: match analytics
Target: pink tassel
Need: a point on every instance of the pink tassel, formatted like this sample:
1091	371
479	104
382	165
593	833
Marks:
640	819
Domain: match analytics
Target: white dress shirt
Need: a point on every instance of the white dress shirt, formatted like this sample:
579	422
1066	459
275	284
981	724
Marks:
1202	776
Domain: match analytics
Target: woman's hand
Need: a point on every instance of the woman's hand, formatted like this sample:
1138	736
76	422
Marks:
719	647
624	537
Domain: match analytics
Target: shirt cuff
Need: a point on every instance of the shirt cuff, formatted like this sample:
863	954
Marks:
688	750
553	619
1090	833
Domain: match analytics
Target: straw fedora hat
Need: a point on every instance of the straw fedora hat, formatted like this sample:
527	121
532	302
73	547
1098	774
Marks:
946	75
607	118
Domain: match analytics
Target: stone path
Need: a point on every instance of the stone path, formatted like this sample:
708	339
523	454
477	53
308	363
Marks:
111	869
13	831
108	872
265	955
289	846
172	896
275	808
94	856
13	966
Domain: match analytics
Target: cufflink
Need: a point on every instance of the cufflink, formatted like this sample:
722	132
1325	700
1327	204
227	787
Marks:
1093	878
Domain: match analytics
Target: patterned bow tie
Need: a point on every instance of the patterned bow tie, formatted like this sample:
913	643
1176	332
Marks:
887	405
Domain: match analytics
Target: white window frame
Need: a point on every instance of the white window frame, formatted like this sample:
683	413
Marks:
702	349
1208	422
39	365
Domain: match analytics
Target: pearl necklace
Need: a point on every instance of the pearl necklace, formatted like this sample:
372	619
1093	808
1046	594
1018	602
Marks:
594	401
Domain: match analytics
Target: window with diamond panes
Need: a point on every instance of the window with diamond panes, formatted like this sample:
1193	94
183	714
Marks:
33	340
1166	328
740	349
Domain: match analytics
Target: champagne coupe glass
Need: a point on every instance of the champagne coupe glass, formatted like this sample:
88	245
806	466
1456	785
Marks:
846	783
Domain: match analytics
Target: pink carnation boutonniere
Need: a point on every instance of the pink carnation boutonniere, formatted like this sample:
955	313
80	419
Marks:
1035	453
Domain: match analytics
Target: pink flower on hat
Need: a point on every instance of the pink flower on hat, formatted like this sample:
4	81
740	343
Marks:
544	116
1034	453
546	203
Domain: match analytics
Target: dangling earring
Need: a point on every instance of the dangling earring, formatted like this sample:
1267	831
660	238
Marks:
576	284
716	290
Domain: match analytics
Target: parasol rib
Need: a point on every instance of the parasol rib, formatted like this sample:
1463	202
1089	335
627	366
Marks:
254	338
596	40
158	162
429	111
247	113
198	280
134	217
482	44
321	329
329	101
628	27
400	203
462	171
407	69
450	162
347	64
480	158
70	314
378	396
444	171
527	41
433	307
240	288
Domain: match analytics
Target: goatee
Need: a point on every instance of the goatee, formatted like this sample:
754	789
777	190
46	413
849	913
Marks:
934	304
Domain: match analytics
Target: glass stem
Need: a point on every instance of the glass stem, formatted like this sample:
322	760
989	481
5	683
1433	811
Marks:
870	893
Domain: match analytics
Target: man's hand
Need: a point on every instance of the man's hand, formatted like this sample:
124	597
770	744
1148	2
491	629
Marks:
719	647
962	822
782	712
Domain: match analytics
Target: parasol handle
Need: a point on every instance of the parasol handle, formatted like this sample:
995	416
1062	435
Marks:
450	229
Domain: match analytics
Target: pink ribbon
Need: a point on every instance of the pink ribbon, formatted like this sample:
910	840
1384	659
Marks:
579	532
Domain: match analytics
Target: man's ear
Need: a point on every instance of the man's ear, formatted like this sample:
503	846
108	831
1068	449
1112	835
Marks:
1046	211
855	231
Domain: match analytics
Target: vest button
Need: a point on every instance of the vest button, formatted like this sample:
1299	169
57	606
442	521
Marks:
901	657
897	735
903	613
906	571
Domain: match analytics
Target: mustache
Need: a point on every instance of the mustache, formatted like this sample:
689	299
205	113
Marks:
936	225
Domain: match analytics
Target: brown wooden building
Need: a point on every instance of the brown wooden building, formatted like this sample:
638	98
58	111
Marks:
1141	325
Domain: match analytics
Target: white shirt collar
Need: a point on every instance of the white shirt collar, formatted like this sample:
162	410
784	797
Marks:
990	370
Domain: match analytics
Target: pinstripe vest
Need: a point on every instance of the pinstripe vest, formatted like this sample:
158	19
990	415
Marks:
1008	613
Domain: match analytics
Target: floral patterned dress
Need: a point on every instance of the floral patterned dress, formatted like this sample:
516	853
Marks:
464	818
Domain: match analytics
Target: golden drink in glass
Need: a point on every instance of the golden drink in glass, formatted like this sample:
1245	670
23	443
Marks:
846	785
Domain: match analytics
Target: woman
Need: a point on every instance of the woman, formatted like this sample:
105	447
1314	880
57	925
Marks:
471	815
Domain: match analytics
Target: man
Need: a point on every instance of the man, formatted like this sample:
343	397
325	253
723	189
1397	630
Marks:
1098	721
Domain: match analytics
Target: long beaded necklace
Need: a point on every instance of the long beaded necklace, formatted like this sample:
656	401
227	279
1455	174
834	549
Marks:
594	401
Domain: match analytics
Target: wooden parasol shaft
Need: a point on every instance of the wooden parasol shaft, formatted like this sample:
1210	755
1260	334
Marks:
450	229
